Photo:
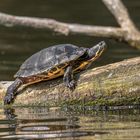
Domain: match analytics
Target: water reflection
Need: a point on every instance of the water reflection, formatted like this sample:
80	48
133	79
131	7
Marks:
42	123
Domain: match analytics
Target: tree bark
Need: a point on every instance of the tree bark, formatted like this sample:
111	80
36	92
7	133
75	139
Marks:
126	32
113	84
119	11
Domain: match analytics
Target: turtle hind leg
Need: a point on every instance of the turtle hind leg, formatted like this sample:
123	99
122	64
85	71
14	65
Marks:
68	78
9	97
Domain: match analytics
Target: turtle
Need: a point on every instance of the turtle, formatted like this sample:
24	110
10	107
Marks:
52	62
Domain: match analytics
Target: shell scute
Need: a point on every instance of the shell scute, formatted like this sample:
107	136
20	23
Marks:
49	58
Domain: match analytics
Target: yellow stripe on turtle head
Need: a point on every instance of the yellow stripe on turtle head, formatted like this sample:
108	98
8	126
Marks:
99	49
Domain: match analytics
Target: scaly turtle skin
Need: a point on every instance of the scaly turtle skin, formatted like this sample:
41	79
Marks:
59	60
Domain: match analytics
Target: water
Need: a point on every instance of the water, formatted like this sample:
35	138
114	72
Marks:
18	43
65	124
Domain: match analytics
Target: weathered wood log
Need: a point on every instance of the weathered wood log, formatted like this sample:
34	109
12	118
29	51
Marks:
126	32
113	84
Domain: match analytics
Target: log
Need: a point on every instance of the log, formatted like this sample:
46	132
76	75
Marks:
121	14
127	32
112	84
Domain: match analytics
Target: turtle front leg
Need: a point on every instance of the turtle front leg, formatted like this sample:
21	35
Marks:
9	97
68	78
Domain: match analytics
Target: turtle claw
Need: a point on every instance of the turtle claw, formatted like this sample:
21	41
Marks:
8	98
71	85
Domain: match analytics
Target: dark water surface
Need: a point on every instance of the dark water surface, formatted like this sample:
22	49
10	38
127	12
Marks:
63	124
18	43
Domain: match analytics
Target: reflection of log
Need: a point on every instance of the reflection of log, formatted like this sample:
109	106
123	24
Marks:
43	123
113	84
126	32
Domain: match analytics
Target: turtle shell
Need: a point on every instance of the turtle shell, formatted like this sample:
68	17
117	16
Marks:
48	58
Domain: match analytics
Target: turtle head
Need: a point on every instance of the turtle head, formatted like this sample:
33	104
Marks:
96	50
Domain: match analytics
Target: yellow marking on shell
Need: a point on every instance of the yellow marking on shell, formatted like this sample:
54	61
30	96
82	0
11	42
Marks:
54	74
33	80
48	76
44	77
